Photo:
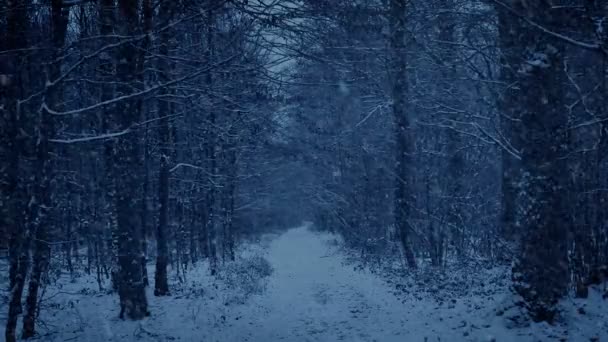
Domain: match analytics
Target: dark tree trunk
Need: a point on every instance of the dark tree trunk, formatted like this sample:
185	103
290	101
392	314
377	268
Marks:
509	117
541	271
147	22
212	154
193	232
161	286
131	286
40	215
12	199
19	273
229	191
106	71
403	132
40	266
144	213
67	246
200	212
453	183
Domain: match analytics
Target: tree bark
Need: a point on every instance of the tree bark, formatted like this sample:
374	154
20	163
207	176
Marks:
131	286
509	118
541	270
147	23
453	184
212	154
107	71
161	287
39	211
10	149
403	134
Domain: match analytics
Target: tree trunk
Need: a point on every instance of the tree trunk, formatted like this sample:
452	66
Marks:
147	22
541	271
229	191
453	182
131	286
107	71
212	154
403	133
41	262
40	215
161	287
10	149
509	118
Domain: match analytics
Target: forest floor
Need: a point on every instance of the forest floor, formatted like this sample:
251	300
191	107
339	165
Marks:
312	293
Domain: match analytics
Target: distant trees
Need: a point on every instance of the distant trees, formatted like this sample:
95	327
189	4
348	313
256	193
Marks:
371	79
491	91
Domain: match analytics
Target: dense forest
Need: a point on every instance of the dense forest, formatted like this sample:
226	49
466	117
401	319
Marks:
146	142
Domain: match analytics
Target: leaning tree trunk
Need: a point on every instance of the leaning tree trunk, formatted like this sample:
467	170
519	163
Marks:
403	133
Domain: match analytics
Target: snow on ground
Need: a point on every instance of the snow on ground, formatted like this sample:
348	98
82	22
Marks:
312	294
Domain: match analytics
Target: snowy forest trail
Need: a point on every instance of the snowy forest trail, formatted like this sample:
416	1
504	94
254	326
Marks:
314	296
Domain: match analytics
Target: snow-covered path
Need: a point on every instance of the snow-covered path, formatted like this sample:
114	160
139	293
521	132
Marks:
313	296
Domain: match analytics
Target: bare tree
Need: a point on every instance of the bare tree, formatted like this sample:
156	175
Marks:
131	286
161	286
403	132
